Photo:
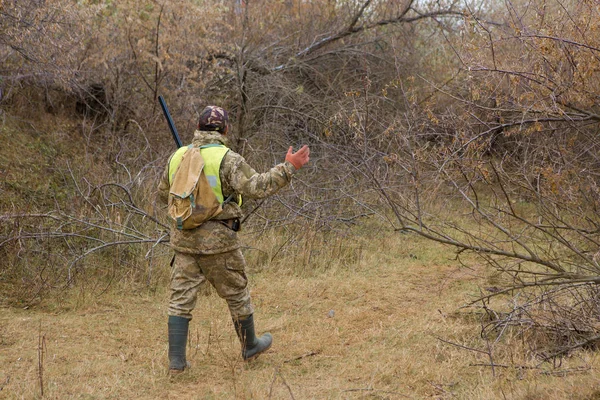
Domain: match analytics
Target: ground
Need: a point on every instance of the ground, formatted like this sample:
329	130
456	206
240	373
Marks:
386	326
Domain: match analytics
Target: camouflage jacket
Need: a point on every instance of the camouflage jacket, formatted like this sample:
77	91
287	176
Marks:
237	177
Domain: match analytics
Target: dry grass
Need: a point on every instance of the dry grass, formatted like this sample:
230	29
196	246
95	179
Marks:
389	309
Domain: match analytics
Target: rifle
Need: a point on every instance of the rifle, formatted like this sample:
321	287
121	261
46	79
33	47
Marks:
170	121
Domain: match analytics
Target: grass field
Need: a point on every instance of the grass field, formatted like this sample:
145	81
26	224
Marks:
377	327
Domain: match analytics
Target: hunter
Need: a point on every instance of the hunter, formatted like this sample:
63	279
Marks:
212	250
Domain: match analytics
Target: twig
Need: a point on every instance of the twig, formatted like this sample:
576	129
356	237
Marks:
5	383
253	210
564	372
503	366
41	350
273	383
563	40
573	347
100	247
278	372
461	346
376	391
19	216
286	385
309	354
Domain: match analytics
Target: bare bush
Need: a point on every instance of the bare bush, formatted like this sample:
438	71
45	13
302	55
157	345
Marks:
104	237
551	321
514	155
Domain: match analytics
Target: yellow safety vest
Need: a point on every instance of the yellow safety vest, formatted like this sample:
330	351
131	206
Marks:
213	155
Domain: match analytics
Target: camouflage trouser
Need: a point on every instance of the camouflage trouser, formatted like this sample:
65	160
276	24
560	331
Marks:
226	273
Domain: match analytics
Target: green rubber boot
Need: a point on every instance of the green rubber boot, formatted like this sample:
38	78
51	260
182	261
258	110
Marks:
178	333
251	345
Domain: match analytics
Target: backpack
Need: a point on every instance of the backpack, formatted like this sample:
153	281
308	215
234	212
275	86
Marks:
191	198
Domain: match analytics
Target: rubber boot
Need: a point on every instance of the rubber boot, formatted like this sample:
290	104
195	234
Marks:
251	345
178	333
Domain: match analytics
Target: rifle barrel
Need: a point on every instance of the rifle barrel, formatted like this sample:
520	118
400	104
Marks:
163	104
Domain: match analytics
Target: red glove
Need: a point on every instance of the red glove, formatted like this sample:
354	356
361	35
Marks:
298	159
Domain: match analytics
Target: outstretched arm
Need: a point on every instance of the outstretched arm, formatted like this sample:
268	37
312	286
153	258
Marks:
244	180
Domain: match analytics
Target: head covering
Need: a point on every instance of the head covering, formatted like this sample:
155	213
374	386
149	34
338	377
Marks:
213	118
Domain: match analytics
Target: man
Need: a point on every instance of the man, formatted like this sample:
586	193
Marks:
212	251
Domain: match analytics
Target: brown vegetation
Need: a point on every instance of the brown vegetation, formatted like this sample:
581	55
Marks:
470	124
